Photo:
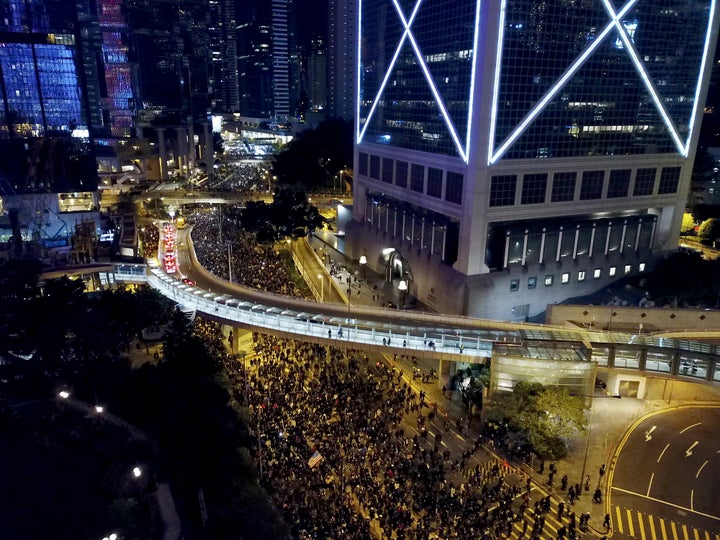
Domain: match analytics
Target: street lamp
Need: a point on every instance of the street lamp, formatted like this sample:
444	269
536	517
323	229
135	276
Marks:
403	288
137	472
363	262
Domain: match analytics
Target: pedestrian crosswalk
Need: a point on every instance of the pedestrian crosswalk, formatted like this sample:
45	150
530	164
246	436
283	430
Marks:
648	527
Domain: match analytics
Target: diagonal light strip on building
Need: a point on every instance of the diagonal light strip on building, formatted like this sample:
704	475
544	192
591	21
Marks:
431	84
553	91
361	134
698	86
471	99
630	48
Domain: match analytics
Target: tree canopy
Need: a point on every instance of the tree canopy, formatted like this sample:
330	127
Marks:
313	158
290	215
544	416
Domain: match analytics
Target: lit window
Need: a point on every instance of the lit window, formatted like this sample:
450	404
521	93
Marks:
641	267
581	275
628	268
597	273
532	282
612	271
514	284
565	278
549	280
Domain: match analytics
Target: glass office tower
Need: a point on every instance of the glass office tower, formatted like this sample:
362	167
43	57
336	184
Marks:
525	151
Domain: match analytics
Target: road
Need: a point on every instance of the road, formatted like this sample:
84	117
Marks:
668	465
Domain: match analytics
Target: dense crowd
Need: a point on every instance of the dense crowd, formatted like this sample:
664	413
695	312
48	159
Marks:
336	454
238	177
149	237
252	264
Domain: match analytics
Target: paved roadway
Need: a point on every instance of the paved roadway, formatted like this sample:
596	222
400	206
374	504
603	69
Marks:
668	464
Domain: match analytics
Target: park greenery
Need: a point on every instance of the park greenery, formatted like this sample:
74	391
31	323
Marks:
313	159
55	336
542	418
290	215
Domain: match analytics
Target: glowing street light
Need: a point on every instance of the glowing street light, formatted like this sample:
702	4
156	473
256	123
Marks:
363	262
64	394
99	409
403	288
137	472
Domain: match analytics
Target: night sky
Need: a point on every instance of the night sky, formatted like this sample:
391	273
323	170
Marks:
312	19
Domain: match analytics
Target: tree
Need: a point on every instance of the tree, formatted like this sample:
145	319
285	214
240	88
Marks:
545	416
688	223
313	158
709	229
290	215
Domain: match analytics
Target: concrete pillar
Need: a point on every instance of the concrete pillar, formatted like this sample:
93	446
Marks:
162	152
181	146
191	143
208	154
444	373
234	342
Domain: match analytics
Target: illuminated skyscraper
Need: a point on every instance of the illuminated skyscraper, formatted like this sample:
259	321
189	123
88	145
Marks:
342	57
41	79
516	153
264	40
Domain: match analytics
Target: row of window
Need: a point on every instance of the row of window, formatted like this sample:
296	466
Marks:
431	181
538	188
581	276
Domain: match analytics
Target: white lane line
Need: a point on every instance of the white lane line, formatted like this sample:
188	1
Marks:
663	452
716	518
692	502
701	468
650	484
690	426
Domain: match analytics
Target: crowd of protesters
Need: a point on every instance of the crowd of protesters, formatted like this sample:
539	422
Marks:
252	264
238	177
339	459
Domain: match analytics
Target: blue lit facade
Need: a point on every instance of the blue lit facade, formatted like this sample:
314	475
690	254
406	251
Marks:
535	147
40	82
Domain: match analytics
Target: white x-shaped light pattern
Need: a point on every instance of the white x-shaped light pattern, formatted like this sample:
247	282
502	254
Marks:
615	23
408	35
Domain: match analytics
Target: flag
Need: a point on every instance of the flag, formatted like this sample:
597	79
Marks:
315	459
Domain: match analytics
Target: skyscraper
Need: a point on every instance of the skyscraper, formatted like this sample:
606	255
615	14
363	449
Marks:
342	57
317	75
41	77
264	39
223	60
516	153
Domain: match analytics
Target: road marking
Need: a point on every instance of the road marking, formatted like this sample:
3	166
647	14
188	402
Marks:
631	529
688	452
701	468
692	497
716	518
674	530
697	536
663	452
652	475
662	529
691	426
619	519
652	527
684	530
648	436
642	526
